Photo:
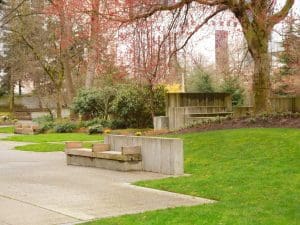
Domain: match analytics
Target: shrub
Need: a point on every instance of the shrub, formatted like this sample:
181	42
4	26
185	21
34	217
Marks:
44	119
44	127
65	127
156	104
45	123
200	81
135	105
118	124
129	106
94	103
97	121
232	85
97	129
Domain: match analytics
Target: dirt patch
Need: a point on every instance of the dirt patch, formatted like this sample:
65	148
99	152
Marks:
290	121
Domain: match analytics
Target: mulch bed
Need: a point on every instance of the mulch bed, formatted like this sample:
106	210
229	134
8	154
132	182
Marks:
290	121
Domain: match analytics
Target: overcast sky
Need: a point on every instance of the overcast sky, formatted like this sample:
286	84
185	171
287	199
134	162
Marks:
203	44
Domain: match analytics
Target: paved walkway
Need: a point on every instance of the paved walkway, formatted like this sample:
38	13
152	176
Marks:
39	189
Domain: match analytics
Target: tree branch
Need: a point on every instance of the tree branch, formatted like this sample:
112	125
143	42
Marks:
279	16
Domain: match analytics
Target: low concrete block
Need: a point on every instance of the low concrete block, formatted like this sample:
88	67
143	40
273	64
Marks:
118	156
118	165
73	144
161	123
131	150
76	160
161	155
79	152
27	130
100	147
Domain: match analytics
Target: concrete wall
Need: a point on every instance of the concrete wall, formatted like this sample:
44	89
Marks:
199	99
25	102
180	105
160	155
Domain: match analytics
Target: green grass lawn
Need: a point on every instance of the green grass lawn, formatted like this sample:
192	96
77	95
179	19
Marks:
7	130
44	141
253	173
42	147
47	147
55	137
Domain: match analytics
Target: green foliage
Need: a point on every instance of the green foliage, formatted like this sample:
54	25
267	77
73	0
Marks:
129	106
94	103
4	84
96	129
134	105
231	85
45	123
118	124
64	127
199	81
157	103
97	121
44	119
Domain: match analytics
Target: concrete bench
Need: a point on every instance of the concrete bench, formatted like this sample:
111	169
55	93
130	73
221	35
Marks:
25	128
128	159
126	153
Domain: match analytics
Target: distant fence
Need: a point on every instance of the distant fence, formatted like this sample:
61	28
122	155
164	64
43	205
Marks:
286	104
278	104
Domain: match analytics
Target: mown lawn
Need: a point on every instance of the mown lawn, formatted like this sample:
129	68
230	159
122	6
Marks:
253	173
7	130
54	137
48	147
52	142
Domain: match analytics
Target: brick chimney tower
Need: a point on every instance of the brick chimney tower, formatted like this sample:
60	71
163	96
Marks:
221	51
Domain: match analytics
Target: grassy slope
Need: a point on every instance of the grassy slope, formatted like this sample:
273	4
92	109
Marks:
253	173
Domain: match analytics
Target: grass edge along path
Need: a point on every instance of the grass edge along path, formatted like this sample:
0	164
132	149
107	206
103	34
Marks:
253	173
48	147
54	137
52	142
7	129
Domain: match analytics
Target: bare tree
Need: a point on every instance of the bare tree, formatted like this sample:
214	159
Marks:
257	18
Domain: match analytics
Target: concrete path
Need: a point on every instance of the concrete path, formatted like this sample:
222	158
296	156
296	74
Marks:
40	189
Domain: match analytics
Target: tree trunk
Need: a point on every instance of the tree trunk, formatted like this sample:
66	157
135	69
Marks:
92	51
69	81
11	97
261	83
91	68
58	104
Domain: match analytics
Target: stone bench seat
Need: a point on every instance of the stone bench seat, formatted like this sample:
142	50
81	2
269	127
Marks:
114	155
128	159
80	152
25	128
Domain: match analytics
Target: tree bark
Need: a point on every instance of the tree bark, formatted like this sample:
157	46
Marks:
92	51
58	103
11	97
261	83
66	36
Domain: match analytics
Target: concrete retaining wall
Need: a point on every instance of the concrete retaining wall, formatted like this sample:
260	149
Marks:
160	155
